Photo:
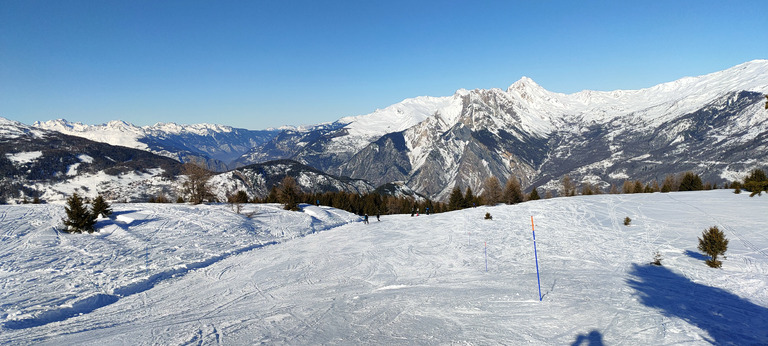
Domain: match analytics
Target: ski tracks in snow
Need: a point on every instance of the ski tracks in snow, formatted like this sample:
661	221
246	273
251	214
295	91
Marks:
734	233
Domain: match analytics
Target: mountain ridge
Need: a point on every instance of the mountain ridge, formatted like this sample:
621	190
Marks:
520	132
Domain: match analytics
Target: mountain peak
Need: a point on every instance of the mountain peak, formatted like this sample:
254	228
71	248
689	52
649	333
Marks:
525	83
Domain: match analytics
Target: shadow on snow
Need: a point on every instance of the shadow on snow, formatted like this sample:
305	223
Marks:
727	317
594	338
696	255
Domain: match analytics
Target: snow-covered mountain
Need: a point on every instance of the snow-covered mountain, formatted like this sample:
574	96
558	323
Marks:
49	165
213	145
714	125
257	180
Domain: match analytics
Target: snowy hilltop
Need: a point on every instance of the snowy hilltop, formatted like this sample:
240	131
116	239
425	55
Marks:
180	274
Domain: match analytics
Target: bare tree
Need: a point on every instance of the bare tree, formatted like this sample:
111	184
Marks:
196	186
492	191
568	188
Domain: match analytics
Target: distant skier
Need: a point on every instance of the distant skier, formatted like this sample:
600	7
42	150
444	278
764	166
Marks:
377	216
427	211
365	219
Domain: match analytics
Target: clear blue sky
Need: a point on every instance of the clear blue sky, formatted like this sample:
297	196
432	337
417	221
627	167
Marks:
259	64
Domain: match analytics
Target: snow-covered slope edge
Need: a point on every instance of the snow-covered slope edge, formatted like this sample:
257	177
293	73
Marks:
420	279
141	246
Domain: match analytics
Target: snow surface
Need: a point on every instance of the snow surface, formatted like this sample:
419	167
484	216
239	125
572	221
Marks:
24	157
181	274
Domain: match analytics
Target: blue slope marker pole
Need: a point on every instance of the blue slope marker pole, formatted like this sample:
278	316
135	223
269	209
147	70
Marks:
536	256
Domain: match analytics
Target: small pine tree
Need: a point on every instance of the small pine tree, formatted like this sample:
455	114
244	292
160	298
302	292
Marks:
627	221
180	199
713	243
656	259
756	182
101	207
289	194
513	193
469	198
691	182
669	184
79	218
239	197
637	187
534	195
456	200
488	216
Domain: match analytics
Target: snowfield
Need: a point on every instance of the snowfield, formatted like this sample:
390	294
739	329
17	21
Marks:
181	274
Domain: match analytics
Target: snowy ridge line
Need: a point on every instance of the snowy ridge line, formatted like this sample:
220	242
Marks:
104	299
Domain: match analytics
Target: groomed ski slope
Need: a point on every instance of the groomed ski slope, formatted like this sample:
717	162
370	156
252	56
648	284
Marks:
171	274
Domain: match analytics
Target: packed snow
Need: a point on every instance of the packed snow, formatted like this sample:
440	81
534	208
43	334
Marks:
24	157
182	274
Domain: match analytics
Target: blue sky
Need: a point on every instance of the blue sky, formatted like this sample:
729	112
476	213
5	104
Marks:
259	64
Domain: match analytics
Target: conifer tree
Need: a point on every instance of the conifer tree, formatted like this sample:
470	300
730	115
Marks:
456	201
513	193
101	207
638	187
534	195
469	198
756	182
288	194
690	182
272	196
79	218
669	184
713	243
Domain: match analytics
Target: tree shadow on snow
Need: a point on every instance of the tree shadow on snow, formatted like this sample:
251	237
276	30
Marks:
727	317
594	338
696	255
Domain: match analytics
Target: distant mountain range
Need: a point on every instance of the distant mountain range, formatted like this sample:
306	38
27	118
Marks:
50	165
714	125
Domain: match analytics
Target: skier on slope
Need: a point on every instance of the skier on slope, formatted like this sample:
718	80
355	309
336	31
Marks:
365	219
